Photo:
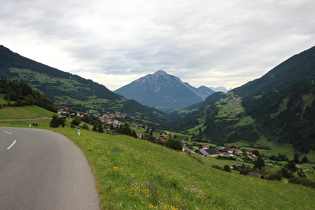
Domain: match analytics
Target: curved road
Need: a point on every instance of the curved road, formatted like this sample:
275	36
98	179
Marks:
41	169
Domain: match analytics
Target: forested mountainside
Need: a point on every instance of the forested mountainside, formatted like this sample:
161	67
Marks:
20	94
73	91
278	107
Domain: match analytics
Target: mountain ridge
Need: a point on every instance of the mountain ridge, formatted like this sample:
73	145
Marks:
163	91
75	92
278	107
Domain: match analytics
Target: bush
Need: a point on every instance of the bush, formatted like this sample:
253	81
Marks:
291	167
227	158
259	163
56	122
275	176
85	127
76	121
302	181
216	167
174	144
245	169
227	168
286	173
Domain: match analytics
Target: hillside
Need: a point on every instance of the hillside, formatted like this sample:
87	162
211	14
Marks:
164	92
278	107
294	69
14	93
175	180
24	112
75	92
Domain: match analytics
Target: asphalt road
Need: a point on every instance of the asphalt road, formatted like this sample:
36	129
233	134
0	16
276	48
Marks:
41	169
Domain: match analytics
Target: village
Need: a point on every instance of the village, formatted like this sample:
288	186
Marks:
108	118
114	121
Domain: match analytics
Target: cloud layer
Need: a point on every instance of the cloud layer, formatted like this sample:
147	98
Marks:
212	43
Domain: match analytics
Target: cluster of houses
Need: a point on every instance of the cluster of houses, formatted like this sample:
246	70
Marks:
232	100
65	111
164	135
109	118
228	151
235	100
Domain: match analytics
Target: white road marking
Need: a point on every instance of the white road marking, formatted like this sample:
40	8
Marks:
7	132
11	145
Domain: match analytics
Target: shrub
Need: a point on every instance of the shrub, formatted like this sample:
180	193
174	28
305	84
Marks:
245	169
290	166
286	173
227	168
302	181
259	163
275	176
174	144
85	127
56	122
216	167
301	173
76	121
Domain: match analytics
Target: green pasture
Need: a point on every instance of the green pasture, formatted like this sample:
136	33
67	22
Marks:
135	174
24	112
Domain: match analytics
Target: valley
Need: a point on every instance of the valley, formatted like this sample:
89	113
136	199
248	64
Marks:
122	138
175	179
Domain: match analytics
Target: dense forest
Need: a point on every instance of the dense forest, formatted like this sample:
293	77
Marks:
286	115
22	94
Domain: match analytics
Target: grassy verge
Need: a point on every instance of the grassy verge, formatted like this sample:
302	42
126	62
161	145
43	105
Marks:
135	174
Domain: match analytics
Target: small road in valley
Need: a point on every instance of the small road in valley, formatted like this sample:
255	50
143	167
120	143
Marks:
41	169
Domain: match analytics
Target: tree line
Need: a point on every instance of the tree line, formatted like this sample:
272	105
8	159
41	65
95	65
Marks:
21	94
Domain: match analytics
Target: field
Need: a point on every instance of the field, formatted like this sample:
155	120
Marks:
135	174
24	112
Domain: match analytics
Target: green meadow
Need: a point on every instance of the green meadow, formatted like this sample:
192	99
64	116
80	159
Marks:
135	174
24	112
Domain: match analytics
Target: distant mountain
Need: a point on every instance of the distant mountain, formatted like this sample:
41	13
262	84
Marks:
278	107
70	90
219	89
204	92
163	91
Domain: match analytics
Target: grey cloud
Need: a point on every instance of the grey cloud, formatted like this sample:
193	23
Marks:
240	39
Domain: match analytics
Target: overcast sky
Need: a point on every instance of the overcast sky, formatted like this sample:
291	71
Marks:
203	42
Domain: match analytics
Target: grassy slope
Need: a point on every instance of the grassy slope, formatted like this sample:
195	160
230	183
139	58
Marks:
132	173
231	110
24	112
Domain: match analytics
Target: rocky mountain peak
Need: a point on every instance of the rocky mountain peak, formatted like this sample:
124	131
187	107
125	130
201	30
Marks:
160	72
162	91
